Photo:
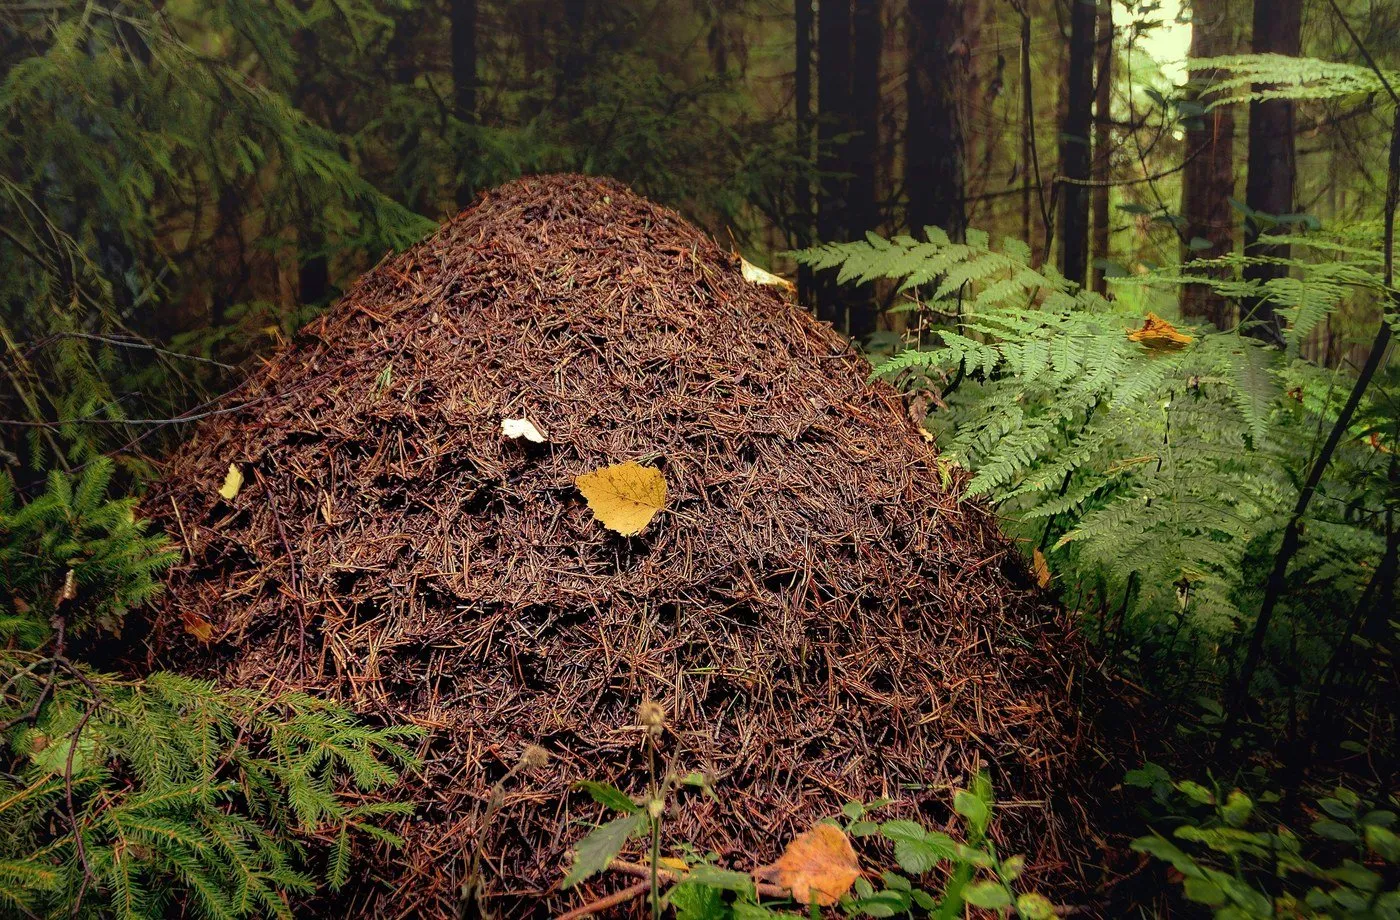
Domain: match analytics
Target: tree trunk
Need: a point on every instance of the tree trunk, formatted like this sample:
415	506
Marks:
570	54
863	203
1075	151
833	130
1208	181
1272	164
935	147
1103	147
463	15
802	78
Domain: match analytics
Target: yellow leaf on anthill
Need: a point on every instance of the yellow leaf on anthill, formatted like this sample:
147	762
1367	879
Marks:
625	496
233	481
1042	569
819	865
1159	335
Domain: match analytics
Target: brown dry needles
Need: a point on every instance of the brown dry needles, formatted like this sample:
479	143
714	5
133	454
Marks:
821	618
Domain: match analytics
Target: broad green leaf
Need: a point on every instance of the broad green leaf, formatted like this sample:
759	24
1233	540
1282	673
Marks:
596	851
915	856
903	830
609	796
990	895
975	810
1334	830
692	900
1383	842
727	879
1237	809
1034	906
1204	891
1337	809
1196	792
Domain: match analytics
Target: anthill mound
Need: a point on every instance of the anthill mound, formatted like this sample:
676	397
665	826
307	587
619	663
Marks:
821	618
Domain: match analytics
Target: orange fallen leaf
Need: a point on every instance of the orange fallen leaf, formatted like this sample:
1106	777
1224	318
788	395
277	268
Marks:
1042	569
818	866
1159	335
197	626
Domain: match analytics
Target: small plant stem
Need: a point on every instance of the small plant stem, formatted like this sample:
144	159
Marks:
655	816
655	858
602	904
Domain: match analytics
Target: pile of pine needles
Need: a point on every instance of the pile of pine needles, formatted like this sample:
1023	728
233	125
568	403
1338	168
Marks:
820	617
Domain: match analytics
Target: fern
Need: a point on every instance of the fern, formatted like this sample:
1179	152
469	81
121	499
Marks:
1151	477
1247	77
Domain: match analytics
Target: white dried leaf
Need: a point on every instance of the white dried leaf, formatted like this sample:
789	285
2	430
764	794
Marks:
755	275
521	428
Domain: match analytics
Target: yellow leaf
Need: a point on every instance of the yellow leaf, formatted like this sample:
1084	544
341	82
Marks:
673	864
521	428
232	483
625	496
1159	335
755	275
818	865
1042	569
197	626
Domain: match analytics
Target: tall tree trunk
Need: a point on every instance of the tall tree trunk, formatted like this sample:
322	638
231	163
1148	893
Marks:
1027	126
802	78
863	204
1208	181
313	265
1272	163
401	51
571	55
934	162
1075	151
1103	146
834	127
463	15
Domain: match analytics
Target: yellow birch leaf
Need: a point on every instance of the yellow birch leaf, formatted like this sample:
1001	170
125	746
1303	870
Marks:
232	483
819	865
625	496
1159	335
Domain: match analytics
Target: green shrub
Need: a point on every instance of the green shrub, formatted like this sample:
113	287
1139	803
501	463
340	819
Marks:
123	797
1245	866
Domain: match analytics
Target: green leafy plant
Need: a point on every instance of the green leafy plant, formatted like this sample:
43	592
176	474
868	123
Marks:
1237	862
126	797
933	873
